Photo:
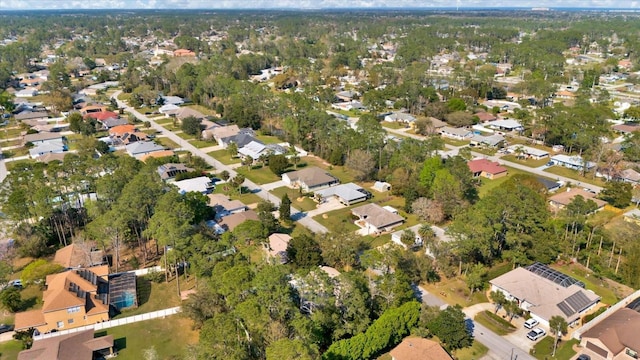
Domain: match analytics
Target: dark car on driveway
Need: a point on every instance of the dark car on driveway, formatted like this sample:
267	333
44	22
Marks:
5	328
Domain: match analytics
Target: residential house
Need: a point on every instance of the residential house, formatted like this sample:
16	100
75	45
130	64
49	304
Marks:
456	133
484	116
438	232
397	116
493	141
79	255
545	292
615	337
126	134
347	95
528	152
49	147
47	158
276	247
559	201
93	108
572	162
185	112
255	149
228	223
168	109
81	345
73	298
32	115
417	348
26	93
550	185
140	148
43	138
184	53
201	184
225	135
486	168
170	170
102	115
348	105
224	206
375	219
109	123
348	194
626	129
630	176
309	179
505	125
172	100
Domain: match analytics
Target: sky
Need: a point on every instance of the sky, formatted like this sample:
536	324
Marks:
304	4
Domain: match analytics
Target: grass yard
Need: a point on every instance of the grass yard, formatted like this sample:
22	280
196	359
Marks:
201	143
224	157
394	125
488	184
268	139
15	164
259	175
455	291
306	204
246	197
337	220
343	174
166	142
544	348
185	136
454	142
484	150
164	121
202	109
593	283
169	337
575	175
156	296
10	132
494	323
475	351
526	162
124	96
9	350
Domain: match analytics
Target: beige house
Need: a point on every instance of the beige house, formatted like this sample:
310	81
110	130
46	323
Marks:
75	346
73	298
615	338
415	348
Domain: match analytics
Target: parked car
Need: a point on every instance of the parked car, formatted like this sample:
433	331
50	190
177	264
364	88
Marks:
536	334
529	324
5	328
584	357
16	283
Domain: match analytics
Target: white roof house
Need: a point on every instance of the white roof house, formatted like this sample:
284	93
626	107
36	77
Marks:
139	148
528	151
399	116
348	194
573	162
201	184
456	133
50	147
505	124
168	108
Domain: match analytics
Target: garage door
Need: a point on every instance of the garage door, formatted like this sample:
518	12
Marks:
597	349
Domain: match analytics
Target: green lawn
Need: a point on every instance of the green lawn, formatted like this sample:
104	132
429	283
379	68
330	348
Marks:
342	173
592	282
294	194
201	143
484	150
337	220
166	142
164	121
15	164
494	323
202	109
224	157
475	351
268	139
260	175
185	136
488	184
575	175
9	350
169	337
155	296
8	133
124	96
454	142
544	348
526	162
394	125
246	197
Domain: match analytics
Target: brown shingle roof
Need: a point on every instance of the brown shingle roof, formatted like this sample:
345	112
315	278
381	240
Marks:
74	255
377	216
29	319
311	176
232	221
565	198
415	348
618	331
75	346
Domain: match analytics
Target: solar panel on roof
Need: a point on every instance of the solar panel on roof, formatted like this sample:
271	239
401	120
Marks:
553	275
565	308
578	301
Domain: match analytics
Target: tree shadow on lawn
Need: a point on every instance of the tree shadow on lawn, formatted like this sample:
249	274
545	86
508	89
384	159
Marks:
26	304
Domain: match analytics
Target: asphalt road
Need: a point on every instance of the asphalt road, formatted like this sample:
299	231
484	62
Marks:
296	215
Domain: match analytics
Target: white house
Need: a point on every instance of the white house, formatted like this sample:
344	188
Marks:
456	133
201	184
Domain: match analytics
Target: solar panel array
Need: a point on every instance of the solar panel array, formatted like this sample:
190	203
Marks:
553	275
574	303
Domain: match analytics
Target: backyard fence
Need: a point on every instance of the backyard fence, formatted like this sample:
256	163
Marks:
112	323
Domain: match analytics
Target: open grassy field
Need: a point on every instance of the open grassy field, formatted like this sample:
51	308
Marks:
337	220
224	157
169	337
488	184
455	291
475	351
342	173
454	142
259	175
201	143
575	175
166	142
156	296
246	197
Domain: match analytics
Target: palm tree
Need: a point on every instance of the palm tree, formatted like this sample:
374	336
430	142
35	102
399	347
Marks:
428	237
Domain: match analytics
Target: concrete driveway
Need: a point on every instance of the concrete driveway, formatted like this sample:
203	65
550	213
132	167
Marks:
329	205
8	336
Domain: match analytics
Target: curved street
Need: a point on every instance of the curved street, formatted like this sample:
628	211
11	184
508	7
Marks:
296	214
